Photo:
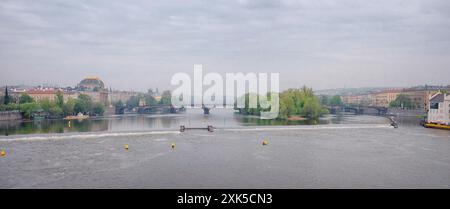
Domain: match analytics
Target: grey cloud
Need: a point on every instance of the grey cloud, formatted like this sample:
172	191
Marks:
318	43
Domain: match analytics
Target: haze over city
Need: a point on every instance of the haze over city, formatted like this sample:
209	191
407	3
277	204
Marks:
141	44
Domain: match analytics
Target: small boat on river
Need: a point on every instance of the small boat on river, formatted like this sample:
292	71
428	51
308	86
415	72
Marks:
79	116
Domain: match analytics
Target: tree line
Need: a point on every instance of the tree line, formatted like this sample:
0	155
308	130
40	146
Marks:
148	98
293	102
403	101
56	108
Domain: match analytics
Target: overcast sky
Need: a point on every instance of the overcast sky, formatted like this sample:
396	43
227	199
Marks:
141	44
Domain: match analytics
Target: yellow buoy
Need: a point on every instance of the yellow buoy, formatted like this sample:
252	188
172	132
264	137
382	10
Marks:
126	146
172	145
265	142
2	153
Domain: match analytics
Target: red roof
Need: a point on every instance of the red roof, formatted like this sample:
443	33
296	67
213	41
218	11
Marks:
41	92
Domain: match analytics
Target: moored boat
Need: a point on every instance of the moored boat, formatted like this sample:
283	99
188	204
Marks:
76	117
435	125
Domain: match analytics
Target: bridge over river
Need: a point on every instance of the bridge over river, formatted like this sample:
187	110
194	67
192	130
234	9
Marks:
359	110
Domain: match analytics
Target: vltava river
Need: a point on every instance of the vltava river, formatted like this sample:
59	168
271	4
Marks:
221	118
340	152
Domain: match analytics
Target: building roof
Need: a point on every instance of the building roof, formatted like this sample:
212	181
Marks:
38	91
90	83
438	96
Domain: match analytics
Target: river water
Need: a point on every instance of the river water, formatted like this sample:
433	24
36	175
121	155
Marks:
344	151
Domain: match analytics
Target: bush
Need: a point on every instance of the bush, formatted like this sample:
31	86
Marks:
133	102
69	107
29	108
335	101
83	104
403	101
9	107
25	98
166	98
55	111
98	109
295	102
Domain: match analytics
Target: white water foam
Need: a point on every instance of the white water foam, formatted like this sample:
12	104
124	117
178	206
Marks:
312	127
118	134
85	136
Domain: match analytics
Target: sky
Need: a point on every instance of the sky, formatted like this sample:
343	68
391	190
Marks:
136	45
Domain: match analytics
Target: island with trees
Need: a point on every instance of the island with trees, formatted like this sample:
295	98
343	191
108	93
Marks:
294	104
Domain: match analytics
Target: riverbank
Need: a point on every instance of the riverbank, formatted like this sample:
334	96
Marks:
10	115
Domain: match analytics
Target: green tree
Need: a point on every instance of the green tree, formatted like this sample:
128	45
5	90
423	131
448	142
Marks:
68	107
29	108
51	107
166	98
59	99
307	91
118	104
312	108
46	104
335	101
324	99
7	98
245	99
9	107
98	109
133	102
287	106
119	107
55	111
403	101
25	98
80	106
293	102
248	97
150	100
83	104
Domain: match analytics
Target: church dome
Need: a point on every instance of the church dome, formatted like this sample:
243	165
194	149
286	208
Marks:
91	83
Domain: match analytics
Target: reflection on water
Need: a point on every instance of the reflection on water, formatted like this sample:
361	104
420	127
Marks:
191	118
51	126
330	119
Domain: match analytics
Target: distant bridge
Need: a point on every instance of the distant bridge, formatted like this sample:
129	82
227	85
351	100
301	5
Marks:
159	109
152	109
362	109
